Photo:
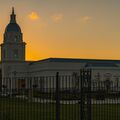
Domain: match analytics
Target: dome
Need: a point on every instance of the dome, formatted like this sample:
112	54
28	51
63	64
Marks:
13	27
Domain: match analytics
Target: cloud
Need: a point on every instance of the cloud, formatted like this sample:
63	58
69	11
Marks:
86	18
33	16
57	17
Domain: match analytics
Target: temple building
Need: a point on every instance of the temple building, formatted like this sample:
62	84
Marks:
13	62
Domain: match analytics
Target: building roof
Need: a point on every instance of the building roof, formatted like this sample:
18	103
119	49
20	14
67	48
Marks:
88	62
81	60
102	64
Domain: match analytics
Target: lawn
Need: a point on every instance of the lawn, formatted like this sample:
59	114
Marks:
18	109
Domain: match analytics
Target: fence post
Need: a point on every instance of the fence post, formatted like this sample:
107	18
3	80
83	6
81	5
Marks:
57	96
85	105
89	95
0	81
81	96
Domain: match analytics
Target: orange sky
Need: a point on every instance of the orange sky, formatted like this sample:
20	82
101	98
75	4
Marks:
66	28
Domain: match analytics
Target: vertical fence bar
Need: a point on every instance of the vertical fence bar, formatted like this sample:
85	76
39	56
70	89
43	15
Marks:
81	96
0	81
57	96
89	95
0	93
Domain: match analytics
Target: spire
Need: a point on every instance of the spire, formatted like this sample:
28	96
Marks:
13	16
13	10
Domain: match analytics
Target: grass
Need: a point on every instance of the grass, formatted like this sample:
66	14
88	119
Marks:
17	109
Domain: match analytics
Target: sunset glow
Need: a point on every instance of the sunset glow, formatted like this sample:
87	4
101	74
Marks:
34	16
66	28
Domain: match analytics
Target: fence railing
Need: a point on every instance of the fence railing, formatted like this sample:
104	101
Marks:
59	98
40	98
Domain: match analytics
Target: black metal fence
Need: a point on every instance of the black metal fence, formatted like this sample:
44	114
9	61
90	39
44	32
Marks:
100	100
74	97
40	98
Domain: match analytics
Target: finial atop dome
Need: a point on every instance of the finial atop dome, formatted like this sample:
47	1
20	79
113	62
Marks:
13	16
12	10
